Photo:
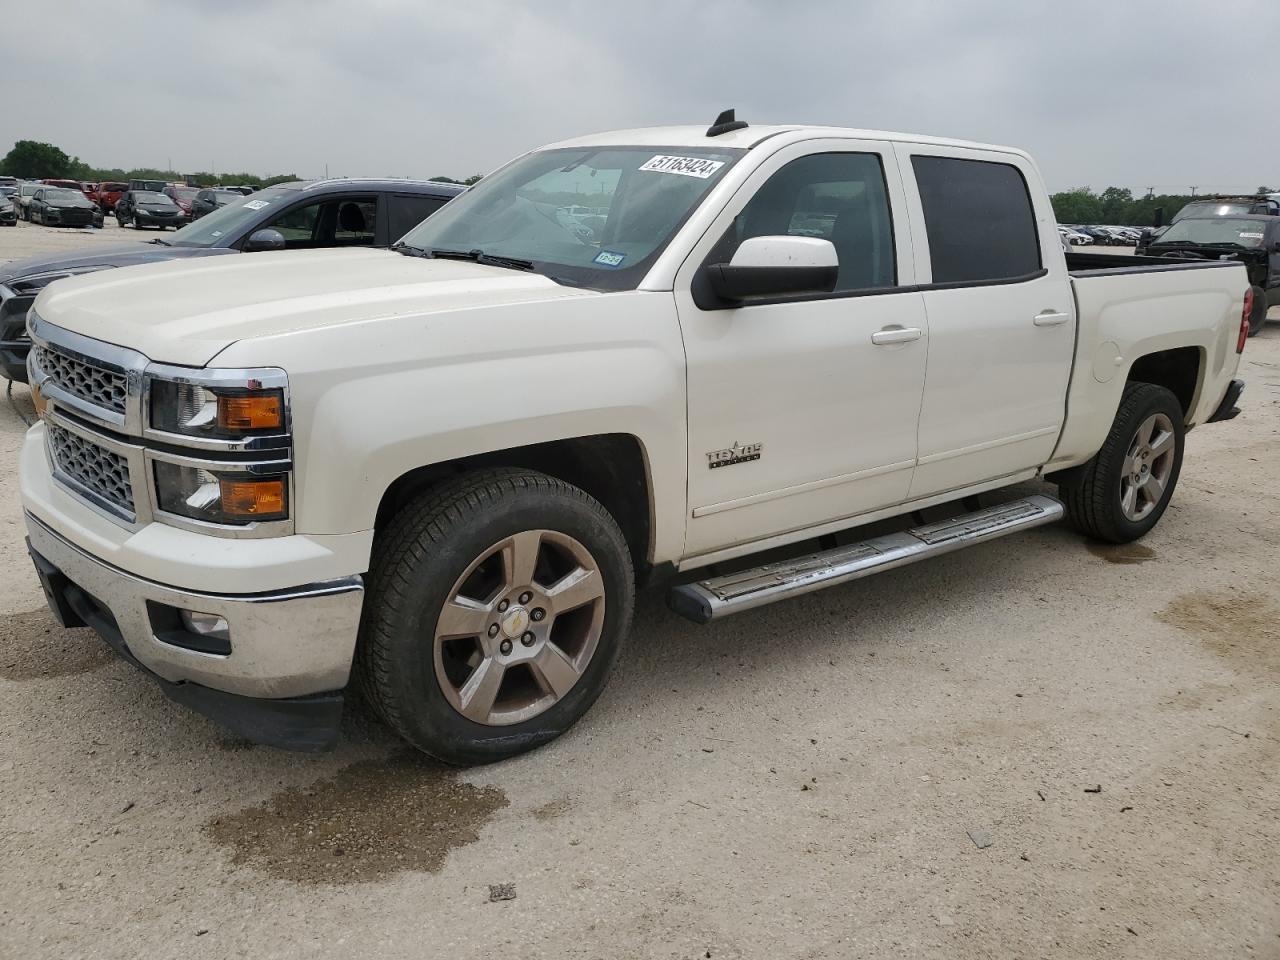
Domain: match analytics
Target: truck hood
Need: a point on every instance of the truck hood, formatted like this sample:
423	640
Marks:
186	312
116	255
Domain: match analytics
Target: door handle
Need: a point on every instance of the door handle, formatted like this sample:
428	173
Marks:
1051	318
896	335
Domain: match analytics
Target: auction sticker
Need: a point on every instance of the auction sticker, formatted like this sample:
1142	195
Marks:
255	204
607	258
1251	236
684	166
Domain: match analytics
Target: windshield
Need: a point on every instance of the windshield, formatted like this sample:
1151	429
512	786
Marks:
595	217
184	193
63	195
1216	231
152	199
113	187
229	221
1212	209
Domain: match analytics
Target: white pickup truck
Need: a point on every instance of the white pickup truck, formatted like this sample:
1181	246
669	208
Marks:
440	471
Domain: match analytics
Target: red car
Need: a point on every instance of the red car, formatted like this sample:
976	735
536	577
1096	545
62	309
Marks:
182	196
107	194
72	184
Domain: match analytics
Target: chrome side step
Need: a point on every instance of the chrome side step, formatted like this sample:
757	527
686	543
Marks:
706	600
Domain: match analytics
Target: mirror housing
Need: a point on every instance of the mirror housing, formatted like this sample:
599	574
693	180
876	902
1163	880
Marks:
776	266
263	240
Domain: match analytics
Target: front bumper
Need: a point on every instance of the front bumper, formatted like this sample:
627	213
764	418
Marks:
158	220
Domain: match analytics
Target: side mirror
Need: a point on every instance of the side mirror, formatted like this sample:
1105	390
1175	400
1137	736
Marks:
1275	247
776	266
261	240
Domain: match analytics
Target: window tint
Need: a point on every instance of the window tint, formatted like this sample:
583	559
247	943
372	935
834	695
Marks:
839	197
336	222
355	222
979	220
407	211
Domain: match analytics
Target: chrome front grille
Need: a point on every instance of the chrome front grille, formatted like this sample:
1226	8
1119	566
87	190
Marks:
93	384
94	468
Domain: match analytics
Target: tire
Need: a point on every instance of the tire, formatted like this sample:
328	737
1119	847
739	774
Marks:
137	224
1258	319
1095	493
456	541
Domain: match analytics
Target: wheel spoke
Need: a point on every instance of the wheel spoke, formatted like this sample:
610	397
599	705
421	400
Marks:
1129	499
553	671
1162	444
1153	489
1145	431
1128	466
520	558
462	617
481	690
574	590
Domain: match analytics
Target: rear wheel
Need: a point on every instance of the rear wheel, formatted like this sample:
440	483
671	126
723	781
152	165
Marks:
1258	318
496	610
1121	493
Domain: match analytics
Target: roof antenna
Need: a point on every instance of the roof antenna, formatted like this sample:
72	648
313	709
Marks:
725	124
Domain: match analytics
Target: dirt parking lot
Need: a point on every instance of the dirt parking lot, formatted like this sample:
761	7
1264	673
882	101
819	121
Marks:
1035	748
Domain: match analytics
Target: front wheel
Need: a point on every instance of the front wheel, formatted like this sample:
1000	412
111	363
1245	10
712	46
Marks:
137	224
497	607
1121	493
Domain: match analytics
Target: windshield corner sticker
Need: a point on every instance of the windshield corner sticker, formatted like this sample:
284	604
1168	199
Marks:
607	258
738	453
684	166
1250	236
255	204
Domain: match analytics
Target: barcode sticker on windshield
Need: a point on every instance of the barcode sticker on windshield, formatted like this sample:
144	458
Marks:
255	204
684	166
1251	236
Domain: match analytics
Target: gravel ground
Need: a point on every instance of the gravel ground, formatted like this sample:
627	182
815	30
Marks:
1034	748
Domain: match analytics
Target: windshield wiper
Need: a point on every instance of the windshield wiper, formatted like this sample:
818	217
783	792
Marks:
479	256
408	249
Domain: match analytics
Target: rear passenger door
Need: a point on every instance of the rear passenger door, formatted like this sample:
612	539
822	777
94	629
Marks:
1000	312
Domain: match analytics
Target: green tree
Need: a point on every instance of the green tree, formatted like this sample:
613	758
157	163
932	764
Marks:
1115	202
1080	205
32	159
474	178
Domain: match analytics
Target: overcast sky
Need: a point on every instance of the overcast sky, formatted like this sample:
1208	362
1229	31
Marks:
1168	94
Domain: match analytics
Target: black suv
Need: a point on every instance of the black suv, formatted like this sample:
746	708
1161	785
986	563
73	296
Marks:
1224	206
289	216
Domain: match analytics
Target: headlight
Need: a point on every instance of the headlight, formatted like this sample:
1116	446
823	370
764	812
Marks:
215	412
226	497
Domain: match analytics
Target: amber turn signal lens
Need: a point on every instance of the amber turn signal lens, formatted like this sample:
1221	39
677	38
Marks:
262	411
37	400
252	498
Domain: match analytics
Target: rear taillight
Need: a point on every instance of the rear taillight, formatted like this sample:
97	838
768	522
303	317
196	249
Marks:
1244	320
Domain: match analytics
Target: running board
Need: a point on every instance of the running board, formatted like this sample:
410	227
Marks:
711	599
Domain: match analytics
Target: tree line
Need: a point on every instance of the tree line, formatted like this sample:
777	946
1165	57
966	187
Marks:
31	160
1117	206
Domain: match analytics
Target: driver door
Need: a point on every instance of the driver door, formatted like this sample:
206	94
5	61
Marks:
802	413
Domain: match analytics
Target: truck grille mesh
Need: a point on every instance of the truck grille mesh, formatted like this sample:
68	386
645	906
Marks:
93	467
93	384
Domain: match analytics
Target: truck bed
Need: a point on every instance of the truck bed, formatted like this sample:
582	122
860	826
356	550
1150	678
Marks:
1105	264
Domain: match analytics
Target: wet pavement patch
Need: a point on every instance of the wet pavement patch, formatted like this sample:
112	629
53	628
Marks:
1243	628
369	821
33	646
1122	552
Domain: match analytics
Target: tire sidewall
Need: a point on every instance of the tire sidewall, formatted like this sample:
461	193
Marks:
1259	318
425	716
1159	400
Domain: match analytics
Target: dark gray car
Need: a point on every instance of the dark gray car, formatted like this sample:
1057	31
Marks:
289	216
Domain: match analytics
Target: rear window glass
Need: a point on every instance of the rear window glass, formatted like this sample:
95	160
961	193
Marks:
407	211
979	220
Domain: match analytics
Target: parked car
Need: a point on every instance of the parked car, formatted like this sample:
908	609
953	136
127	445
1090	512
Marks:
8	212
22	199
9	181
143	208
1222	206
237	188
69	184
1074	236
62	207
89	190
151	186
208	200
108	194
297	216
183	197
442	469
1252	239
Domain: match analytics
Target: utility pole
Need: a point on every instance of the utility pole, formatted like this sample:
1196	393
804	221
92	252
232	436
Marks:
1151	192
1193	190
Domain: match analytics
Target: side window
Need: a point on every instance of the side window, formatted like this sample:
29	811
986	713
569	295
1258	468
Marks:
406	211
298	225
839	197
355	222
979	220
